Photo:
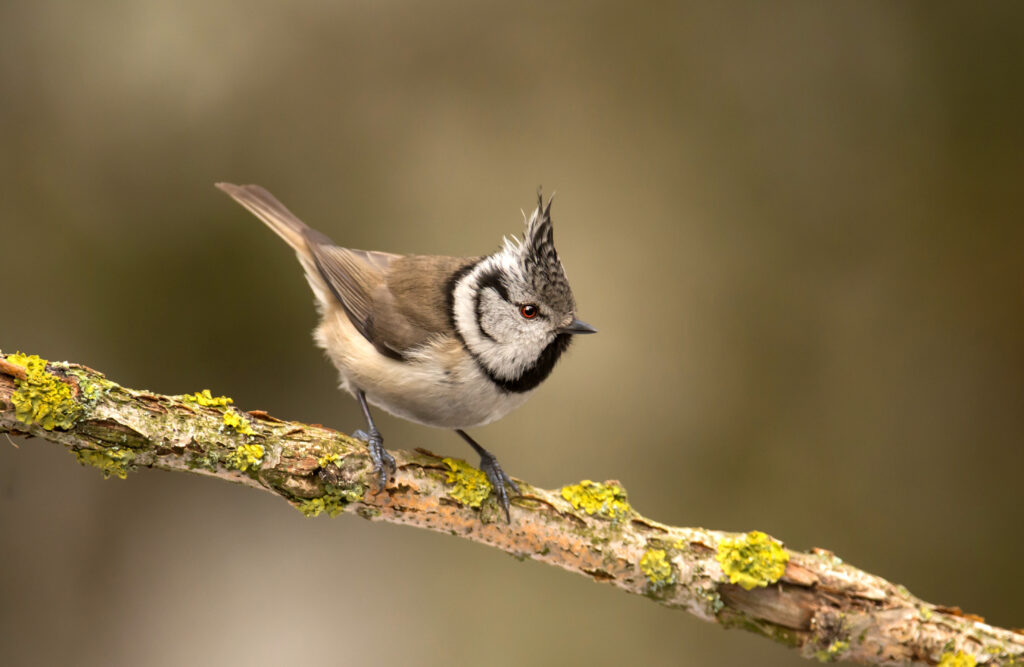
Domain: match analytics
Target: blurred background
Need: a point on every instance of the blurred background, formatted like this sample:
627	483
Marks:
797	226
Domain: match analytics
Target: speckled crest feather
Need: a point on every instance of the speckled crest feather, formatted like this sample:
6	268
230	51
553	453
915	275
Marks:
539	261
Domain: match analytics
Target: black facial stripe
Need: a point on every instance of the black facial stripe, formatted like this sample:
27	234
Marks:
535	374
479	316
531	376
493	280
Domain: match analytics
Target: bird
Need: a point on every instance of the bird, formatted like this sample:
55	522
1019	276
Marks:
449	342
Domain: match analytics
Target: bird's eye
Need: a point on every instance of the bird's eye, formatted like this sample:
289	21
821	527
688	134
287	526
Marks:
529	311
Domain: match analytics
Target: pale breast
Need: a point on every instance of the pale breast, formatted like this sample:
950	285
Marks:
437	384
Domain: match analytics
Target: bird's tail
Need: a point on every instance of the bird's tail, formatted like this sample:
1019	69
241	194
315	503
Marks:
273	213
302	238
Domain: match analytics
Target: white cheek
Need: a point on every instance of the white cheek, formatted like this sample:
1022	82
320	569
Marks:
530	332
511	343
528	340
497	319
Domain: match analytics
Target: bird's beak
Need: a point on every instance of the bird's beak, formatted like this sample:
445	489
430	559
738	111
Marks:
577	327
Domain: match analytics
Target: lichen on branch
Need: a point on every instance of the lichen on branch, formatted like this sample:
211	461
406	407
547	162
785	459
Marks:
813	601
752	560
41	398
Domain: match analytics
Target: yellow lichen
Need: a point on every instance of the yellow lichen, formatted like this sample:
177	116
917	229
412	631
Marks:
470	486
112	461
657	568
235	420
752	560
832	653
604	500
312	507
958	659
245	457
328	459
41	398
208	400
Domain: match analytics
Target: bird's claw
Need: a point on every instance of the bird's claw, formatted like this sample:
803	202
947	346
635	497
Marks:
499	480
383	463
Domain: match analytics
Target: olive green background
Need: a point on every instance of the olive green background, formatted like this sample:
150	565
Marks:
797	225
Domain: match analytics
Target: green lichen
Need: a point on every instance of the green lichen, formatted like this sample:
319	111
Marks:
958	659
730	618
112	461
89	389
607	501
752	560
245	457
41	398
237	422
207	460
657	568
207	400
368	512
833	652
334	501
348	493
469	485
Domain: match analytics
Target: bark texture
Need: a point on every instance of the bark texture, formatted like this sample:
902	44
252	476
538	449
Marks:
813	601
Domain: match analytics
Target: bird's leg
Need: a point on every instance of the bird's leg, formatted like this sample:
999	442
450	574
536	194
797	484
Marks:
495	475
383	462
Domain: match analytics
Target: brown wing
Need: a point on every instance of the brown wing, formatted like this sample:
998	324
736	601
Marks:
397	302
352	276
419	285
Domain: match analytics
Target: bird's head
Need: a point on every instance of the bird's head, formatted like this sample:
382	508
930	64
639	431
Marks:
515	310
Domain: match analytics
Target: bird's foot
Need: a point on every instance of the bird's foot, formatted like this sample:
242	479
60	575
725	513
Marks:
383	463
499	480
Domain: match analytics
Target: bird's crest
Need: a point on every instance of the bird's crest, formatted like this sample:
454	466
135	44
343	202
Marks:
539	261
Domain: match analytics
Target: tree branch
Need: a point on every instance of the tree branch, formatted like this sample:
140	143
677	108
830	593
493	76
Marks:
814	601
